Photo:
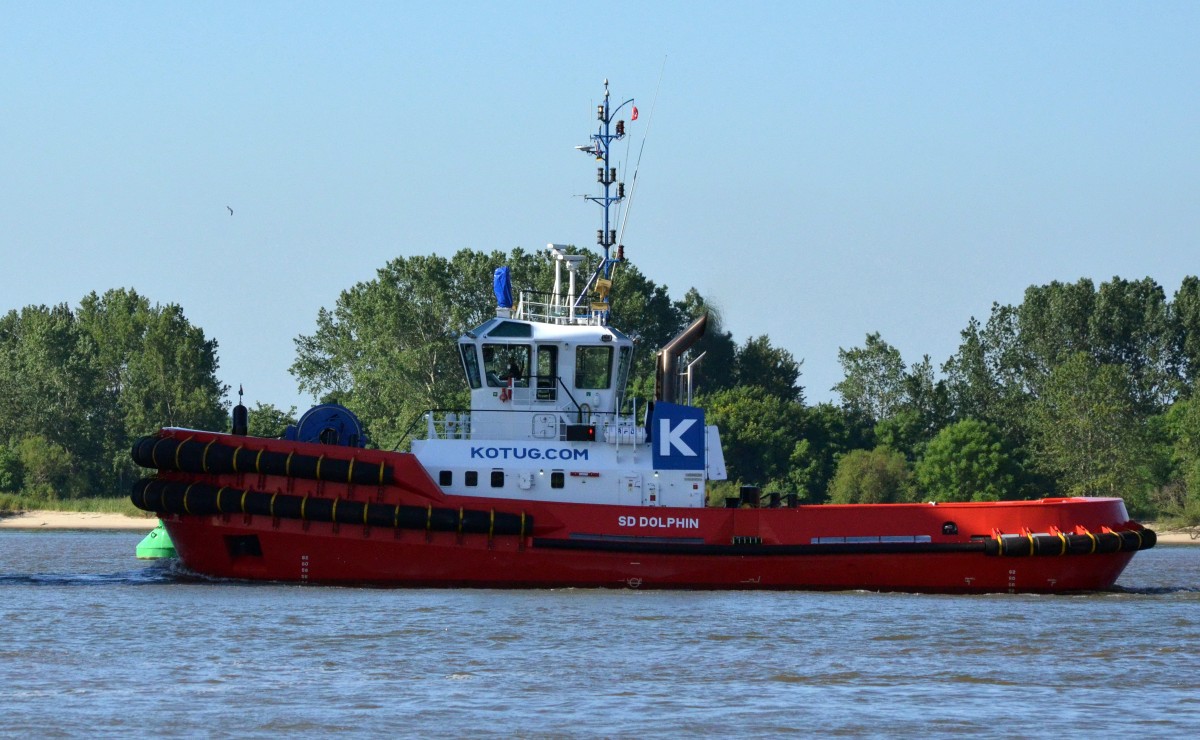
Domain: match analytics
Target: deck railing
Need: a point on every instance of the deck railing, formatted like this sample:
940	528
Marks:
554	309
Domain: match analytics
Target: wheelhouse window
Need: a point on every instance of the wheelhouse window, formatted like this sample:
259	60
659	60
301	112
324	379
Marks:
593	367
470	360
502	362
511	329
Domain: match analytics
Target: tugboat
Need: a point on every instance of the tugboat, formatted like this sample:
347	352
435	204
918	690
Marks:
553	478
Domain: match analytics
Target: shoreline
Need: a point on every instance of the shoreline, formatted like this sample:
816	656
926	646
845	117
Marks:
82	520
1186	536
88	520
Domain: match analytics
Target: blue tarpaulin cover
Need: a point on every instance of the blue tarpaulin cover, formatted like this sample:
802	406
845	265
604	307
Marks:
502	284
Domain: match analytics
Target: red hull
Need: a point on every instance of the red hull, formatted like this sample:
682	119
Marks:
898	547
356	555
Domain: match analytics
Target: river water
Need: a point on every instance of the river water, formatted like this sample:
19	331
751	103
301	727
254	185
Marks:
95	642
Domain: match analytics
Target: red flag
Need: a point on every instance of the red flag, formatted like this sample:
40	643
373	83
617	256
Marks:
634	116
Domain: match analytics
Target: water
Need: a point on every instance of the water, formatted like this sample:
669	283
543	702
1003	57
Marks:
95	642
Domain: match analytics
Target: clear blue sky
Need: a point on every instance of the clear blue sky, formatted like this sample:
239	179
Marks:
820	170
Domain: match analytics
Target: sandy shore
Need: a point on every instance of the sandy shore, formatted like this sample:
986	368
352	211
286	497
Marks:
75	520
1176	536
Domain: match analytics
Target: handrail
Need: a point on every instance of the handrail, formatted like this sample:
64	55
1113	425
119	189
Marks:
440	425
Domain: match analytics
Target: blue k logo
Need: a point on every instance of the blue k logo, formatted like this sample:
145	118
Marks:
677	437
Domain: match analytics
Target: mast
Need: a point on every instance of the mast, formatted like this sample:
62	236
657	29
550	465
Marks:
609	130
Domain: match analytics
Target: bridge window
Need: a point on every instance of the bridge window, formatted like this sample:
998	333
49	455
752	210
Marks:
504	361
470	359
557	480
497	479
593	367
511	329
471	478
445	477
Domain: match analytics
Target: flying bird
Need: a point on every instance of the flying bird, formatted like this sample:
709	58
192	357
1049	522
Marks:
230	210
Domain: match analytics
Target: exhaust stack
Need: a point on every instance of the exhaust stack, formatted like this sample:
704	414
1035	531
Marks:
666	371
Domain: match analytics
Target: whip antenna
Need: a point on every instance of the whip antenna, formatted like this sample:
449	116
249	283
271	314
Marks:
641	149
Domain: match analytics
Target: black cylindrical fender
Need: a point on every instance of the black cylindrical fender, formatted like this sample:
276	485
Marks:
201	499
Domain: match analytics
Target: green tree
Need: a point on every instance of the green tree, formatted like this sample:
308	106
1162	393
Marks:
758	432
878	476
907	404
1182	438
1131	326
773	370
266	420
1054	322
387	350
153	369
906	431
1088	433
49	470
1185	317
874	378
985	379
12	477
827	433
49	386
967	461
88	381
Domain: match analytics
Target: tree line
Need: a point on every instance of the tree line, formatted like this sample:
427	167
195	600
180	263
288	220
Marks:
1077	390
78	386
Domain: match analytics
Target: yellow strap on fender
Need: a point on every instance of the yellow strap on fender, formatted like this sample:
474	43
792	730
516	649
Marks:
204	458
522	523
1063	537
186	491
396	518
366	506
287	466
273	495
154	452
303	506
333	513
219	492
1032	547
350	472
1093	538
1139	536
460	518
491	524
258	461
428	518
243	504
381	474
235	454
320	460
179	447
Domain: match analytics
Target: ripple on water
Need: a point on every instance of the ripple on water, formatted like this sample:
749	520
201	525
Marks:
235	658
